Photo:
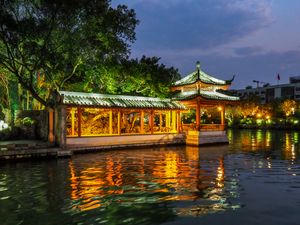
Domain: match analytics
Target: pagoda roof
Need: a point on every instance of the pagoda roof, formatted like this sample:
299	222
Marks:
116	101
204	78
211	95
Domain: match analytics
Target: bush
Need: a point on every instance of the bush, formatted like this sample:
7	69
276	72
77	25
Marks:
24	129
27	121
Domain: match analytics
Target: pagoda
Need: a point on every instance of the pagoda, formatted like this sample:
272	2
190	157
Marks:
206	98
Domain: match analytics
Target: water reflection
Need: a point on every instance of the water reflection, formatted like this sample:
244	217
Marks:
155	176
266	140
256	174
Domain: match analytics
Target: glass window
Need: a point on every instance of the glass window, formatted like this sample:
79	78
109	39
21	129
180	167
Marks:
95	122
131	122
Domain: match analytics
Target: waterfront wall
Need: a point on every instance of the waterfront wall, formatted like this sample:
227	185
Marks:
125	140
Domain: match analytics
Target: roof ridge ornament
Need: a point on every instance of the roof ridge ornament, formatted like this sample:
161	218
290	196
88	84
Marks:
231	80
198	69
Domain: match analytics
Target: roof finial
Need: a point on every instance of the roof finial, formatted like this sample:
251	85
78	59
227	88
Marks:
198	69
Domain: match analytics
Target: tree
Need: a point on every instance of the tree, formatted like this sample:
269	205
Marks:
4	89
61	40
288	106
249	108
145	76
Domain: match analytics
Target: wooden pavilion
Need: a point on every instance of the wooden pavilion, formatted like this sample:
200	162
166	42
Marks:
205	95
90	119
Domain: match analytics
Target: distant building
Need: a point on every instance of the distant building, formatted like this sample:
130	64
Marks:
268	93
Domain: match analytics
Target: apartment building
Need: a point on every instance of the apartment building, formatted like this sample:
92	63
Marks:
268	93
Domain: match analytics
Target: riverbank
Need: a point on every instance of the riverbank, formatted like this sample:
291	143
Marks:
27	149
22	149
37	149
295	127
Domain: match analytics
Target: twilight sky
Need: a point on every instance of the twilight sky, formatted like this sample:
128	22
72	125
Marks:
254	39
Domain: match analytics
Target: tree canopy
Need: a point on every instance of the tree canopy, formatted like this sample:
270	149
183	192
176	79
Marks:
143	77
61	40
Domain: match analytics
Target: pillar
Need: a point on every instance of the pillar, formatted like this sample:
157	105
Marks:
198	116
51	138
79	117
173	121
160	121
110	122
223	117
168	121
72	121
152	121
178	122
142	122
119	122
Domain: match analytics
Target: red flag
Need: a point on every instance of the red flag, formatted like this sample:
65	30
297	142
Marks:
278	77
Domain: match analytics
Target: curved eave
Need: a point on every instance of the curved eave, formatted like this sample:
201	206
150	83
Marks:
126	107
92	100
227	82
206	96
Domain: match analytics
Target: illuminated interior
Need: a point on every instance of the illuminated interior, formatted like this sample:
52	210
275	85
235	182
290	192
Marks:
107	122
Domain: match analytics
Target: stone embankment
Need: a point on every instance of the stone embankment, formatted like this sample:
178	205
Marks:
30	149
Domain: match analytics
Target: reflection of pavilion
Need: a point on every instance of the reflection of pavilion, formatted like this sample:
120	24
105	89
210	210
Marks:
153	177
197	108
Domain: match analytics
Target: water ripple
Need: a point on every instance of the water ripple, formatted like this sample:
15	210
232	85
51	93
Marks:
256	176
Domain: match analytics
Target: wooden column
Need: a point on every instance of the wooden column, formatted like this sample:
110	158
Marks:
152	121
119	122
223	117
160	121
142	122
178	122
72	121
198	116
110	122
51	126
173	121
168	121
79	116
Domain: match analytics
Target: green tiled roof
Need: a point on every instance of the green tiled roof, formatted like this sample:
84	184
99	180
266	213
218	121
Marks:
212	95
204	77
120	101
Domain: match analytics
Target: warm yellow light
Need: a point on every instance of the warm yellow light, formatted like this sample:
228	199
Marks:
219	108
258	115
267	117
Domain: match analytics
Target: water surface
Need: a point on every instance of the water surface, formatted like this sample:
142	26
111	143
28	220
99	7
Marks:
253	180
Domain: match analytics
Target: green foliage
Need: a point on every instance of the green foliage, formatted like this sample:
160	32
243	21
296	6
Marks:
24	128
145	77
63	40
27	121
5	79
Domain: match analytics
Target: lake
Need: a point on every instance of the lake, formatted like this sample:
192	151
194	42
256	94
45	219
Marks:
253	180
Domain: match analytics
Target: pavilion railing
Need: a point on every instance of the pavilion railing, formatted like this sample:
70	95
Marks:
203	127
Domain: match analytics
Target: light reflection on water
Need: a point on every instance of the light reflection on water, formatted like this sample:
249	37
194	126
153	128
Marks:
154	176
162	185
